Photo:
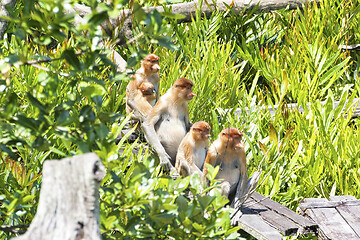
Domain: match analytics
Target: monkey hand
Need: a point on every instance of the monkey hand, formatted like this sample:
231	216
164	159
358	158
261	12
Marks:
165	163
169	168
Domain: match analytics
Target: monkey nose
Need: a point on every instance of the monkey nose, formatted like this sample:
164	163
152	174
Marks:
156	68
191	95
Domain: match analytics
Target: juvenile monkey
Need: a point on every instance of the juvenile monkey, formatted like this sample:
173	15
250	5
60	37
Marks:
145	98
191	153
148	92
227	152
168	122
148	72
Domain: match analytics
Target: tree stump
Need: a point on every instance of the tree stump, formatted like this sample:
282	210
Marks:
69	200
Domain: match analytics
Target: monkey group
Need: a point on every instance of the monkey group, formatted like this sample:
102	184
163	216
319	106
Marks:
183	148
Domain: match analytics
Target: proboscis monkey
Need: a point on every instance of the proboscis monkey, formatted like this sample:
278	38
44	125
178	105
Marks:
148	72
227	152
168	122
192	151
145	98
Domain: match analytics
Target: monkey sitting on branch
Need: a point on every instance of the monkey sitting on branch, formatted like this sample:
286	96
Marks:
147	73
145	98
192	151
168	122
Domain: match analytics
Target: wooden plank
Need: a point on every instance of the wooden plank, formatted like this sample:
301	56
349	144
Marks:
342	198
255	226
351	214
331	223
306	224
284	225
307	200
329	204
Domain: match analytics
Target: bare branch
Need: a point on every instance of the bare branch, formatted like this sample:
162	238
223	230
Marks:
188	10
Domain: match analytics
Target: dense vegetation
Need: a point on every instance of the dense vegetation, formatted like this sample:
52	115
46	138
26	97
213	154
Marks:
61	95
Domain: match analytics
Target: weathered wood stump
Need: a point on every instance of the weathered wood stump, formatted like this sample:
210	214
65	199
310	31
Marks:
69	200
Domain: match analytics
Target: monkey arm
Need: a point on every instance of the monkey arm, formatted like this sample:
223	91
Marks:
154	141
131	91
184	168
187	120
210	159
135	111
241	190
195	169
148	127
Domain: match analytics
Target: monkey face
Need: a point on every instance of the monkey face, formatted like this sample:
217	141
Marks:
190	94
201	130
155	67
184	86
147	88
186	93
149	91
232	137
151	63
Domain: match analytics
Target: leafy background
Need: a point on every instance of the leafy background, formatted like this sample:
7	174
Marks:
70	100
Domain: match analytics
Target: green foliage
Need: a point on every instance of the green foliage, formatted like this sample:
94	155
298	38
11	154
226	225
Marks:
140	203
61	95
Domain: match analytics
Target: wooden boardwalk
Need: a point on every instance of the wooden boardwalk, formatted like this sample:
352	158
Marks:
338	217
264	218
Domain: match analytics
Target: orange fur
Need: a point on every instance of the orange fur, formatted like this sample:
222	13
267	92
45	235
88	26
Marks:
227	152
192	150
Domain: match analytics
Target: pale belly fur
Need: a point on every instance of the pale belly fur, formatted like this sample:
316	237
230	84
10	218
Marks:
231	174
199	157
170	133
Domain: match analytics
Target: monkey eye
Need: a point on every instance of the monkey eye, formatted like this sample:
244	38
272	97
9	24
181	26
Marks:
237	138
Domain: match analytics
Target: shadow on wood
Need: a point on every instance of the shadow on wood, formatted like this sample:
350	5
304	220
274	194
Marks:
264	218
69	200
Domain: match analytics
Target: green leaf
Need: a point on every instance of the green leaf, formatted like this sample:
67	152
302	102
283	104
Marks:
272	134
171	15
26	122
205	201
182	203
97	18
70	56
263	148
36	103
139	13
94	90
198	227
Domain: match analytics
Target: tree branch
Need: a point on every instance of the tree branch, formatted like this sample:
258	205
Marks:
188	9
